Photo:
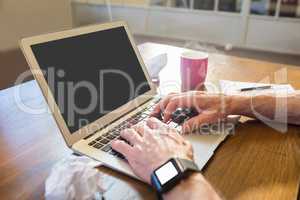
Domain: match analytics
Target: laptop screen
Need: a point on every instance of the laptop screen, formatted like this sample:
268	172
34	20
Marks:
91	75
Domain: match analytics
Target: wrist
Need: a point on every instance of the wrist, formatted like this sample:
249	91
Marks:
193	187
184	187
236	104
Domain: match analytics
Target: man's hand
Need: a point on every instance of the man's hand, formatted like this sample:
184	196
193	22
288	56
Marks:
211	107
152	144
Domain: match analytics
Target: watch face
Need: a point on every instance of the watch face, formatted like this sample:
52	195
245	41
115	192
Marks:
166	172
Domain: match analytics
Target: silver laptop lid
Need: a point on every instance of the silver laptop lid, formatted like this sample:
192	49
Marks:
91	76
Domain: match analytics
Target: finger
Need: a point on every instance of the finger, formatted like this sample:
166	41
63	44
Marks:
154	123
131	136
142	128
159	108
136	127
186	100
123	148
171	107
161	129
196	122
174	135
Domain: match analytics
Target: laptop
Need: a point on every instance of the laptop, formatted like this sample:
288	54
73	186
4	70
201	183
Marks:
96	84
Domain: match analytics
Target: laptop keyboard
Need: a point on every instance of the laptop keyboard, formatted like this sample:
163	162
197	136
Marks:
103	142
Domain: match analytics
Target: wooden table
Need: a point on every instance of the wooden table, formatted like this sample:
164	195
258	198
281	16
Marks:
256	163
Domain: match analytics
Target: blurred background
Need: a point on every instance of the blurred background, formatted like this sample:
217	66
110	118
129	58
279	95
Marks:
260	29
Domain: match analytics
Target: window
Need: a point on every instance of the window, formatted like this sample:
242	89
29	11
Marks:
290	8
284	8
230	5
181	3
221	5
172	3
263	7
274	8
159	2
204	4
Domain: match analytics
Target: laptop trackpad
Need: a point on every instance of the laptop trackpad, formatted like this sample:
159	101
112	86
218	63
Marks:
204	146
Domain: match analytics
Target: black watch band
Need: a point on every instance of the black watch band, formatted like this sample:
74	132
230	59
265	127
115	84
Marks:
169	174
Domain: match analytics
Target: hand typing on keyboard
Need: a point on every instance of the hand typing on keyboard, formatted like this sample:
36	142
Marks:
193	109
151	143
103	142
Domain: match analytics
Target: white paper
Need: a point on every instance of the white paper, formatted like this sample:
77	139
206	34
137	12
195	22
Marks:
156	64
234	87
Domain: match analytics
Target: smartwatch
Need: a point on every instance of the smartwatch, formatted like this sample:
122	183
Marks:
169	174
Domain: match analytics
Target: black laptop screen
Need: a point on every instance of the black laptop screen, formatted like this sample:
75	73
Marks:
91	75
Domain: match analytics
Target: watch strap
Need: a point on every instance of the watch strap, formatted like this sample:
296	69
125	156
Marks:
187	165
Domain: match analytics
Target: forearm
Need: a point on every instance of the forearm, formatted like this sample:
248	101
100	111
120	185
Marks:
195	187
282	109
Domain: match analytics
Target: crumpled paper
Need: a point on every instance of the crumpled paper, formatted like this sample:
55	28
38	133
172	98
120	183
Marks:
75	178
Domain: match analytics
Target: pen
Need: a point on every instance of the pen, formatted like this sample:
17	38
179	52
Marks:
256	88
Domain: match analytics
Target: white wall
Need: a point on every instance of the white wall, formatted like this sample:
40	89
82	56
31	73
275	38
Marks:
254	32
219	28
84	14
21	18
274	35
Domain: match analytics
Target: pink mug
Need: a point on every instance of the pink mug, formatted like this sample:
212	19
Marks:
193	70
